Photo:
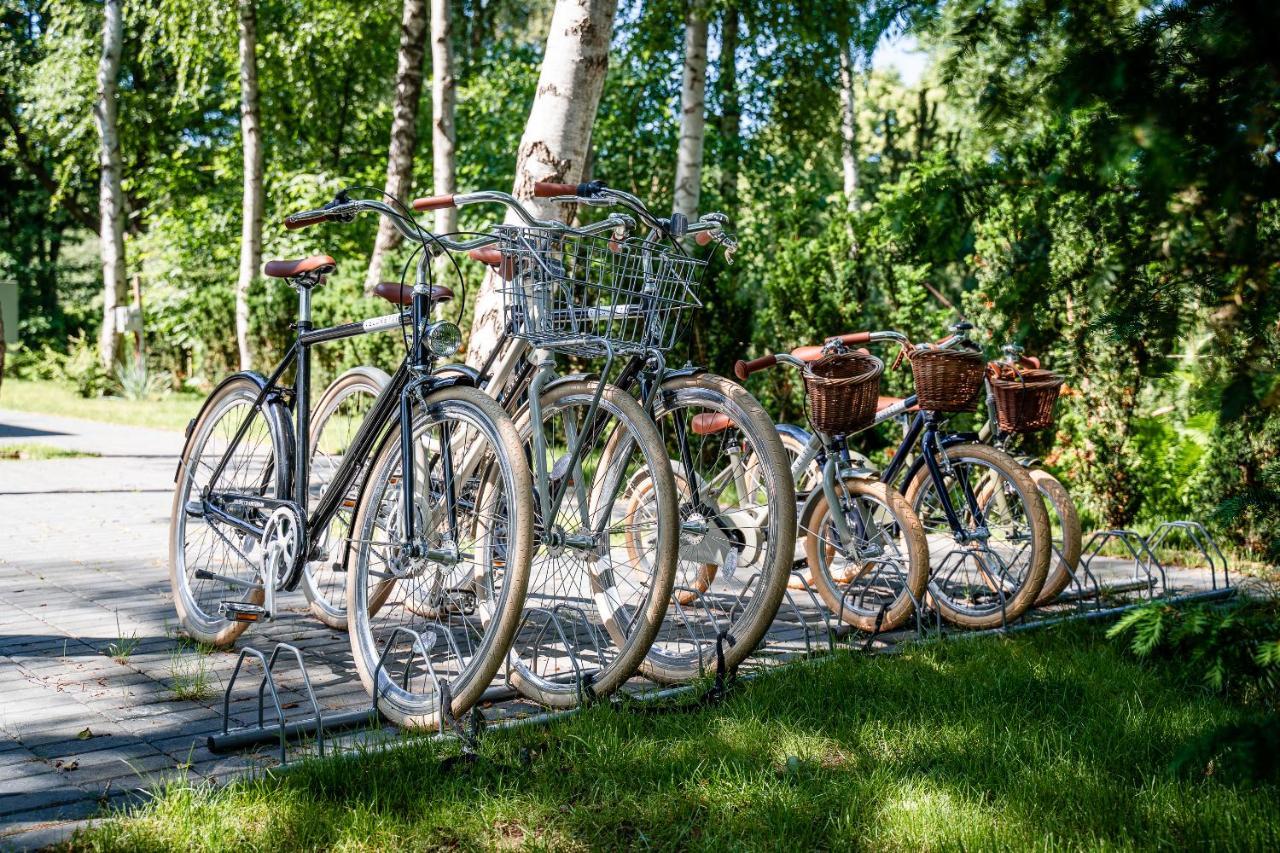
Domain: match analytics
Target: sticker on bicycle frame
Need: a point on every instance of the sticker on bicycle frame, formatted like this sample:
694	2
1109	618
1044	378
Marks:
386	322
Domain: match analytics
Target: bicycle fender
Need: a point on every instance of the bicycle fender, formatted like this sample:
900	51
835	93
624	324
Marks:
792	431
253	376
459	370
682	372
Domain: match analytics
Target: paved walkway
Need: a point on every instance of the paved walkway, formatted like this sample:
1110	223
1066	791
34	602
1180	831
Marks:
91	670
99	699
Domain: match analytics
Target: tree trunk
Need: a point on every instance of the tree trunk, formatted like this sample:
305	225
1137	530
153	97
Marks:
693	113
554	145
252	200
404	128
730	113
443	95
110	198
848	129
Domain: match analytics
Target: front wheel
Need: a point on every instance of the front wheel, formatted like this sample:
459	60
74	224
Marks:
989	571
874	573
1064	525
440	607
737	525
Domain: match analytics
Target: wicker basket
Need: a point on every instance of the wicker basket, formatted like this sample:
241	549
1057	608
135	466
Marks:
1024	398
947	380
841	391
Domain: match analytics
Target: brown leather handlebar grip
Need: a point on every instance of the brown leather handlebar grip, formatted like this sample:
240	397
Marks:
1029	361
854	338
545	189
490	256
435	202
305	218
743	369
702	238
811	353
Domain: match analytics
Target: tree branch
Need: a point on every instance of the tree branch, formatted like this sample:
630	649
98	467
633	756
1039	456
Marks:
70	205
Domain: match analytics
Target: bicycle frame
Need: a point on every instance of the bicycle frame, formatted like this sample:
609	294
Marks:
412	377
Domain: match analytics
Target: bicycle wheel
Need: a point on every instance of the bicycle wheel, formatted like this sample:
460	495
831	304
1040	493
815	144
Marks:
737	525
334	424
440	610
991	578
875	579
794	442
1064	527
211	561
595	605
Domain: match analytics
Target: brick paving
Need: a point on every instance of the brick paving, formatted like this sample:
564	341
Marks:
89	656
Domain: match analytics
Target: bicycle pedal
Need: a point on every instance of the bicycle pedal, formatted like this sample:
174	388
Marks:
243	611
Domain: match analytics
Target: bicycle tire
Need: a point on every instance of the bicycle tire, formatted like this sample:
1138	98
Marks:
194	597
1067	548
754	437
1037	520
911	584
323	580
601	654
502	477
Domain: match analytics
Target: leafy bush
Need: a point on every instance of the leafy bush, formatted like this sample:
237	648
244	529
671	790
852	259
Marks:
137	382
1232	648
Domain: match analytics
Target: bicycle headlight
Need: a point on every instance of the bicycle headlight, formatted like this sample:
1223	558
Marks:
443	338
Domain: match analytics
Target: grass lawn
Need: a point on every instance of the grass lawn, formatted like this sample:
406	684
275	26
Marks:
171	412
1055	739
25	451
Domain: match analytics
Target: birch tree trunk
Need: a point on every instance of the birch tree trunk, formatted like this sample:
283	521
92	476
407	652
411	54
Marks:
443	95
693	113
404	128
252	202
556	137
730	114
848	129
110	197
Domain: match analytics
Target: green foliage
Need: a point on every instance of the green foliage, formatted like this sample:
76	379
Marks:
1230	649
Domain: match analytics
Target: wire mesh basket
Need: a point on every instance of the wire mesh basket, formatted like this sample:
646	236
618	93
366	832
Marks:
841	392
586	294
947	380
1024	398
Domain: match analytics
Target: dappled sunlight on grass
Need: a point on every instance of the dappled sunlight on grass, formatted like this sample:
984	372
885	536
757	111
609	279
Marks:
1052	740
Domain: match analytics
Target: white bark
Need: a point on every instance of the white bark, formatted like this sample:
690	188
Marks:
693	112
848	130
404	128
252	201
110	196
554	145
443	96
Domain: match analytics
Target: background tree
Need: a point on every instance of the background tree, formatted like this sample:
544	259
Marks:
443	97
111	210
251	206
554	145
404	126
692	111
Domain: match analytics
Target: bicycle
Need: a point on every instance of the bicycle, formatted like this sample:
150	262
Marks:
452	542
987	529
594	606
1064	518
864	544
737	525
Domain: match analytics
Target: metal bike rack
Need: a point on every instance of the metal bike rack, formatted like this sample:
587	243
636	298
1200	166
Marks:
1143	561
282	729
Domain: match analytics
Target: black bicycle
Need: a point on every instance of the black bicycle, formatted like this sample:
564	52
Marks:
441	536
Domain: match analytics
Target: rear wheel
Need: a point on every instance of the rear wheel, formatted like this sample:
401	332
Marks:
334	424
1064	526
211	561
